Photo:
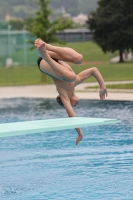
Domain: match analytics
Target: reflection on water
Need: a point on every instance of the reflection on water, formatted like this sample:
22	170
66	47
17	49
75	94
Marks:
50	166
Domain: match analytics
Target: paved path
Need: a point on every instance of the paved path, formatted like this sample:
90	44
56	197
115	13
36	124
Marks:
128	58
49	91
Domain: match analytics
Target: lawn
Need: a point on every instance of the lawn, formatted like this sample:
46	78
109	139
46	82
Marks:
91	52
22	76
121	86
110	72
115	86
25	75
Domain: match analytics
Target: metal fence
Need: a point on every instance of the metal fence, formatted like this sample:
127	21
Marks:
14	45
15	49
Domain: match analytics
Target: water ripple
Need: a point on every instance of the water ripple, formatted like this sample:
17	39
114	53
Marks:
49	165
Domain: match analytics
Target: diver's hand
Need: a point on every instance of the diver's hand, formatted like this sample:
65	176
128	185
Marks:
103	93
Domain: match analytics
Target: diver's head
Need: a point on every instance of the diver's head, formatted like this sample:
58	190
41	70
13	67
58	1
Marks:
58	99
74	101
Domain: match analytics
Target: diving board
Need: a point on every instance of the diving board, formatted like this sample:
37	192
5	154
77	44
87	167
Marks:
40	126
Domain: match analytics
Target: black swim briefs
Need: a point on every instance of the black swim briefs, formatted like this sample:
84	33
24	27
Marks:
38	63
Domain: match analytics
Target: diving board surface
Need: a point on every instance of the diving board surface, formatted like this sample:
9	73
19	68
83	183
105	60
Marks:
40	126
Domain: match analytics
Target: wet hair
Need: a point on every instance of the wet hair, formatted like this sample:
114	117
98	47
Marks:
58	99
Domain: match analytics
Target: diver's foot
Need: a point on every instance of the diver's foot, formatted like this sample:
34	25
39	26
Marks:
41	48
79	138
42	51
38	42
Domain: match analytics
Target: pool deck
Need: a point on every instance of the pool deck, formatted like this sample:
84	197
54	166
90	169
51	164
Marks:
49	91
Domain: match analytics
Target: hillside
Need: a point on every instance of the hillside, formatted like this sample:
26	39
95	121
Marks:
26	8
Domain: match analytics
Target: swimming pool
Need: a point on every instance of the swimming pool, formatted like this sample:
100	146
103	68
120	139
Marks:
49	166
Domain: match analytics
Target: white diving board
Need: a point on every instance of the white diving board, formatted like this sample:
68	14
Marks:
40	126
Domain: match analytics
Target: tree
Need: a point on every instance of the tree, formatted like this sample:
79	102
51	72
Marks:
112	24
42	27
16	24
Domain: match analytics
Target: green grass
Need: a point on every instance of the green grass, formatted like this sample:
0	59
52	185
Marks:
121	86
128	86
31	75
113	72
22	75
22	58
91	51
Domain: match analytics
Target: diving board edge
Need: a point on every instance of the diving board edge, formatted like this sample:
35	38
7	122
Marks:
32	130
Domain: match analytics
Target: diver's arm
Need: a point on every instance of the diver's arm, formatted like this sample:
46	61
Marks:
67	104
93	72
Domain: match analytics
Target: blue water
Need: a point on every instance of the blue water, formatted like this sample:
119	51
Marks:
49	166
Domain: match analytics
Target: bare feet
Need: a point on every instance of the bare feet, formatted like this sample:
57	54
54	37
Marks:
39	42
79	138
41	48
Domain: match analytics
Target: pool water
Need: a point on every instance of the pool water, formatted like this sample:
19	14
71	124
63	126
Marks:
49	166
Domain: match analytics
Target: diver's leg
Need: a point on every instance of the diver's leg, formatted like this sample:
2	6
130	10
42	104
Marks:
62	53
54	68
66	53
